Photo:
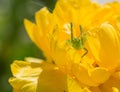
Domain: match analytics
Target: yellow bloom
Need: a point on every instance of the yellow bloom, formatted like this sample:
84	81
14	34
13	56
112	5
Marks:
34	75
81	41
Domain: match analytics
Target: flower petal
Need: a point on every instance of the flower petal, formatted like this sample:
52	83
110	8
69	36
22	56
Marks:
34	75
99	75
81	73
25	76
31	28
73	86
52	80
111	85
105	46
44	20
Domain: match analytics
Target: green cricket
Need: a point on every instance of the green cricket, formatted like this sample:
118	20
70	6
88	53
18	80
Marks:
78	43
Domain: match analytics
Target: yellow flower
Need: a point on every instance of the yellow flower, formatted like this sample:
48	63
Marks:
81	41
35	75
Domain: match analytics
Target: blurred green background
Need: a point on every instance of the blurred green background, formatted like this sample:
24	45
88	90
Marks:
14	41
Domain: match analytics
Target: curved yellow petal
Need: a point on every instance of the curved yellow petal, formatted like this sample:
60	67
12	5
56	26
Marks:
118	22
31	29
106	12
74	86
44	20
52	80
25	76
110	50
64	17
95	89
111	85
63	63
99	75
81	73
40	31
34	75
78	3
94	46
105	46
115	6
74	11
